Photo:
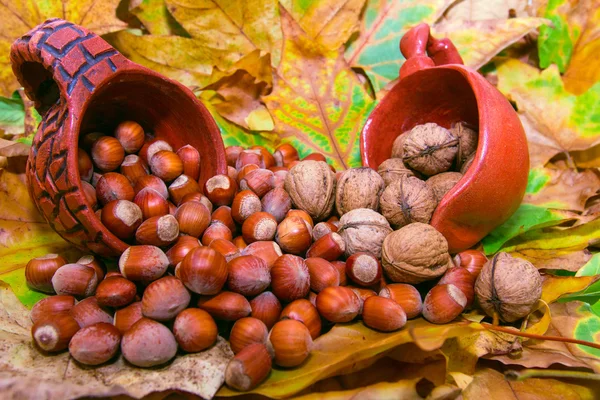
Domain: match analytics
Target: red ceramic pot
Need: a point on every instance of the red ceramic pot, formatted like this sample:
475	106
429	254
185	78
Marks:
80	84
434	86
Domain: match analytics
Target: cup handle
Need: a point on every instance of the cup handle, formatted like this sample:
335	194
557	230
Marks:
423	51
59	60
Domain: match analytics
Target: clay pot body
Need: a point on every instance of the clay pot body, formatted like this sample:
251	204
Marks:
434	86
80	84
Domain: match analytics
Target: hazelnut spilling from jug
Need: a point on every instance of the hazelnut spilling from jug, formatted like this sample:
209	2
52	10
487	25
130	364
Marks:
263	247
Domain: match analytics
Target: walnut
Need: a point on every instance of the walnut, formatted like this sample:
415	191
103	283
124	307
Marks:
429	149
465	167
358	188
467	142
441	184
311	186
392	170
415	253
407	200
509	287
363	230
398	146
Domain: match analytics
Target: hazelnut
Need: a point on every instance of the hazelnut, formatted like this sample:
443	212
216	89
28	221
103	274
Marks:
95	344
311	186
89	191
195	330
158	231
302	214
259	226
190	157
383	314
197	197
122	218
248	368
322	274
151	203
179	250
443	303
226	248
216	230
280	174
87	312
85	166
164	298
126	317
285	154
223	214
143	263
363	294
291	342
232	153
107	153
267	308
302	310
166	165
260	181
133	168
406	295
115	291
248	275
407	200
131	136
228	306
341	268
364	269
114	186
338	304
88	139
315	157
245	203
148	343
415	253
429	149
277	202
363	230
467	164
52	334
246	331
467	142
268	158
242	172
323	228
290	279
472	260
181	186
463	280
40	270
150	148
249	156
94	262
75	280
509	287
152	182
441	184
50	306
204	271
193	218
358	188
267	250
220	190
329	247
294	235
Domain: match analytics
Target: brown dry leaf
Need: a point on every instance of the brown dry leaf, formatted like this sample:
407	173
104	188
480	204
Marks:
19	17
563	189
589	158
27	374
565	259
491	384
9	148
235	27
329	22
573	320
477	10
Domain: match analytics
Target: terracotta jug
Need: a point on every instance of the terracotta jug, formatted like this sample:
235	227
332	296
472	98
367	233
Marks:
435	86
81	84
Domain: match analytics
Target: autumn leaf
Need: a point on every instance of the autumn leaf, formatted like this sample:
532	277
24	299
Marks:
584	69
570	320
555	121
26	370
330	353
479	41
329	22
12	114
376	50
478	10
18	17
552	259
564	189
554	287
317	103
234	27
155	17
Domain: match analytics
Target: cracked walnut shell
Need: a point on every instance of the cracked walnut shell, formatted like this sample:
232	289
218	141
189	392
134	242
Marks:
414	254
358	188
407	200
311	186
508	286
363	230
429	149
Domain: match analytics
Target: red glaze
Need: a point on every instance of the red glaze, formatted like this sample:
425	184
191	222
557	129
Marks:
75	95
435	87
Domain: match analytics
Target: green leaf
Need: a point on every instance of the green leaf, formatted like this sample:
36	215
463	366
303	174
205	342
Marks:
12	115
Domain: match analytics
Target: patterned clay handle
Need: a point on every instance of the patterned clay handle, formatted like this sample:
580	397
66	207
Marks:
422	51
60	65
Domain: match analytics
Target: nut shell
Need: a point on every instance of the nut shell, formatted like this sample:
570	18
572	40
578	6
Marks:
163	299
414	254
443	303
107	153
193	218
294	235
148	343
290	279
95	344
383	314
338	304
40	270
228	306
75	280
248	368
122	218
87	312
267	250
126	317
304	311
204	271
311	186
441	184
51	305
143	263
291	342
195	330
322	274
267	308
392	170
131	136
246	331
248	275
429	149
53	334
363	231
166	165
364	269
407	200
406	295
358	188
115	291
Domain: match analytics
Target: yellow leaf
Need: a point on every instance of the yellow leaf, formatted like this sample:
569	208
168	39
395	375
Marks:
260	120
18	17
554	287
540	325
584	69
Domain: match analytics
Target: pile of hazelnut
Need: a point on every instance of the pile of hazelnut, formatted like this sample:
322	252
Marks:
270	255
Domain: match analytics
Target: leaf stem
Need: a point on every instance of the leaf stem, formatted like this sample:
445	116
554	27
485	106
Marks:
549	373
539	337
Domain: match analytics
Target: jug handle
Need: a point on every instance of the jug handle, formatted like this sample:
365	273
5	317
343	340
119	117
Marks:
422	50
58	60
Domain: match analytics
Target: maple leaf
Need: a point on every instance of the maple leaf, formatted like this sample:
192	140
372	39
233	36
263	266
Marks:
19	17
317	103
